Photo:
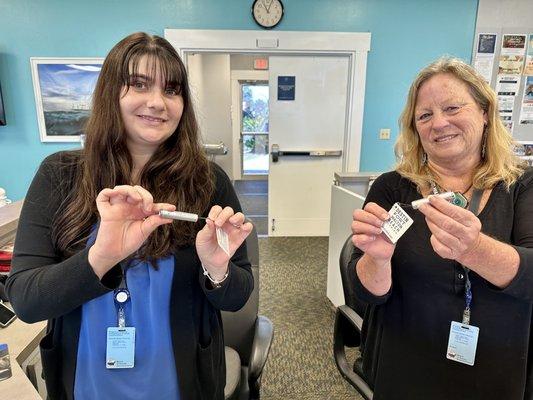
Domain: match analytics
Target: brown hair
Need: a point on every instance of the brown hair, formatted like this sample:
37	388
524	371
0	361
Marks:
499	163
177	173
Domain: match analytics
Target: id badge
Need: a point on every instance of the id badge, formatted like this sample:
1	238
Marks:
120	349
462	343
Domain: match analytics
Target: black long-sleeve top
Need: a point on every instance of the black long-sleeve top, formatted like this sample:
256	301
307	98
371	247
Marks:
406	331
43	284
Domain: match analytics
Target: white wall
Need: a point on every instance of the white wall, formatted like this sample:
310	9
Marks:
505	13
196	83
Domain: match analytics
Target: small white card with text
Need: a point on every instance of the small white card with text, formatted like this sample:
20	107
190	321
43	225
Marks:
397	224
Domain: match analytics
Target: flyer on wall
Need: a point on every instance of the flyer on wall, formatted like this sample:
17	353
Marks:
514	44
512	54
507	85
511	64
526	109
506	104
484	59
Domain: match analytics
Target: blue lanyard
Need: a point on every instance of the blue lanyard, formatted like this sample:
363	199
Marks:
468	297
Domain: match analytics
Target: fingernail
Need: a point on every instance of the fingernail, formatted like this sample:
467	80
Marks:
385	216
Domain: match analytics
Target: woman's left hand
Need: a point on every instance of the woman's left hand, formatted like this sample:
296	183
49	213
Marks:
456	232
212	257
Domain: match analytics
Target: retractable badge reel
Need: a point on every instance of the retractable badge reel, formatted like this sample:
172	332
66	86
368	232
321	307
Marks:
122	295
120	349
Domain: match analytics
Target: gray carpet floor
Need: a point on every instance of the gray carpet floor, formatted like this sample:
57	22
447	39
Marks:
293	276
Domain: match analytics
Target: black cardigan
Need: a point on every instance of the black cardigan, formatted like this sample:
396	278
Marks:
45	285
406	331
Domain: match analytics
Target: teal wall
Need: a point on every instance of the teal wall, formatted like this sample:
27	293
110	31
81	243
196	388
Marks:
406	35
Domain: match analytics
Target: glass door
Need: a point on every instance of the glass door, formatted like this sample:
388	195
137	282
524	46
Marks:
254	128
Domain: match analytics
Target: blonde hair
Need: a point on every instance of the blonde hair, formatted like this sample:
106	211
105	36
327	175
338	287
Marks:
499	163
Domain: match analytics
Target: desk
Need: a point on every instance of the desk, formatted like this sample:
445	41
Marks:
357	182
22	339
348	192
343	202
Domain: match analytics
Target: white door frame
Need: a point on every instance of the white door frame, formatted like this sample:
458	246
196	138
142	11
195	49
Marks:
355	45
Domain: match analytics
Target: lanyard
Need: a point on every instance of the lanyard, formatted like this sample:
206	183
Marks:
473	206
121	296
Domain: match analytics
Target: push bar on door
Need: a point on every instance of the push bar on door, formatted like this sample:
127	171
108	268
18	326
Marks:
215	149
277	153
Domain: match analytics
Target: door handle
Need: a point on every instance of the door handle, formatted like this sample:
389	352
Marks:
215	149
277	153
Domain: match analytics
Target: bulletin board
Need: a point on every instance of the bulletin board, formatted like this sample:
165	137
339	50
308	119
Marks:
504	57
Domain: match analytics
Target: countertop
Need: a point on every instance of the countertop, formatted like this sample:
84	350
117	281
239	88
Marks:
21	338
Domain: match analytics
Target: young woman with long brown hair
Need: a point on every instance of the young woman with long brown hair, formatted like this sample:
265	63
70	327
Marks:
133	300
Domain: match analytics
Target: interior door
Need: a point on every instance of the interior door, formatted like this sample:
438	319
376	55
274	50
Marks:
299	185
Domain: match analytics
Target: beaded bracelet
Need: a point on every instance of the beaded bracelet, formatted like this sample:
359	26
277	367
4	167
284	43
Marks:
216	283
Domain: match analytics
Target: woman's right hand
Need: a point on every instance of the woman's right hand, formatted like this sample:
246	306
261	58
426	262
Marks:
128	215
367	233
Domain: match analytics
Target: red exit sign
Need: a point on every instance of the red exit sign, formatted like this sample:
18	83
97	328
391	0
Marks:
261	63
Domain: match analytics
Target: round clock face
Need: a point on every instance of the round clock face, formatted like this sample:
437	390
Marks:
267	13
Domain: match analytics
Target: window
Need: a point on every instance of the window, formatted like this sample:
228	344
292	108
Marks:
254	129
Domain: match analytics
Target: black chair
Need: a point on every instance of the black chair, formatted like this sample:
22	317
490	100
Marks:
247	337
347	331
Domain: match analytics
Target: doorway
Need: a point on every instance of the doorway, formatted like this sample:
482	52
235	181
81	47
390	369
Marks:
352	48
254	128
252	188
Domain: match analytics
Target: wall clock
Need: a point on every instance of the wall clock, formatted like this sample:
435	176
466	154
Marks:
267	13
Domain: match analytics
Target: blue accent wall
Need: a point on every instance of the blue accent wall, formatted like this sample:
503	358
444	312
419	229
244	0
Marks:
406	35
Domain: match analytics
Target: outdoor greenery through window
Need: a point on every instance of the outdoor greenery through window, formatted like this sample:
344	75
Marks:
255	129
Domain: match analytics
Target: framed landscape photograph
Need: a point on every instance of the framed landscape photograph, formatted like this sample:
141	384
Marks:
63	90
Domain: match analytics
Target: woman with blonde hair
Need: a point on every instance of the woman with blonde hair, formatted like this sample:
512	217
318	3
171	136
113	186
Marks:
132	299
450	302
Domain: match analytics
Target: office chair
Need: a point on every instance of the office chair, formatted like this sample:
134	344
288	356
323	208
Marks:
347	330
247	337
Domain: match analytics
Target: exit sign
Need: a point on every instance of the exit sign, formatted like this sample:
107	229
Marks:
261	63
